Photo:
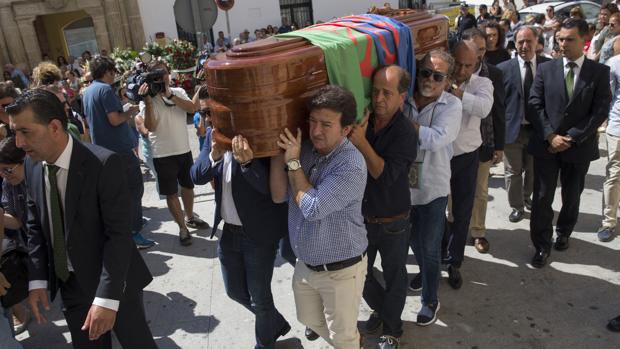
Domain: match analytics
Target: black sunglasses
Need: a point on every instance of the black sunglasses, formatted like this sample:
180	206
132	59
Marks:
437	76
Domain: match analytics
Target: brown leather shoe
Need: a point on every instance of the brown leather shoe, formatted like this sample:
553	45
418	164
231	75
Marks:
481	245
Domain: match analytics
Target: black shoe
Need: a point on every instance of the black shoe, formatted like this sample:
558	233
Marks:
286	329
454	277
561	243
528	204
540	259
516	216
374	322
428	314
311	335
184	237
416	284
614	324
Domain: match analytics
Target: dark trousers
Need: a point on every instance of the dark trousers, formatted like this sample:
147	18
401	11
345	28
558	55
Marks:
462	191
572	177
247	269
428	223
391	241
136	187
130	327
286	251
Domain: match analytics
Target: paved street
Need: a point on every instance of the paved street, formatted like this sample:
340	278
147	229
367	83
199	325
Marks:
503	303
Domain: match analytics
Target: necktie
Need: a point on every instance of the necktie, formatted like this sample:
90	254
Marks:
527	83
570	79
60	252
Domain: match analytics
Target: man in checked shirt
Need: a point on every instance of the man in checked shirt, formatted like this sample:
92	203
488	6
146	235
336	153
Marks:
324	184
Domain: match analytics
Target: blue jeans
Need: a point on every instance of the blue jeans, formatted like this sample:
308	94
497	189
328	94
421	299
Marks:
247	269
390	240
7	340
428	223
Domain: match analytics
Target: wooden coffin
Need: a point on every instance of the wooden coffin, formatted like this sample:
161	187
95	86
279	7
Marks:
258	89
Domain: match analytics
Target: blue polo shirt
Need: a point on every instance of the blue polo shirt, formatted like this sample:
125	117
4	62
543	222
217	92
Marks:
98	100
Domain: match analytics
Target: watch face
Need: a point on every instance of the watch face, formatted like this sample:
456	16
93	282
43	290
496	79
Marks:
293	165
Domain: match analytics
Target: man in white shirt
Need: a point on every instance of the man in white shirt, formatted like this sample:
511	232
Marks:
164	110
476	95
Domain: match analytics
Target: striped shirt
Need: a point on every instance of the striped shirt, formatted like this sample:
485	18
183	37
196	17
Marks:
328	226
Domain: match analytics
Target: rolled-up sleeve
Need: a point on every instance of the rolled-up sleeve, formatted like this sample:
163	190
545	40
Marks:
479	103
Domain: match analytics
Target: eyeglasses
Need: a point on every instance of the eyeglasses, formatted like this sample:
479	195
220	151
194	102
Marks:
437	76
9	171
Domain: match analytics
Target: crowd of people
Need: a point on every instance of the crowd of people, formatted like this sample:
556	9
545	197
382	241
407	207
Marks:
413	173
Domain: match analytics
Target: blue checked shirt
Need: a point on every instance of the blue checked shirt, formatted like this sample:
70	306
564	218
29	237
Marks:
328	226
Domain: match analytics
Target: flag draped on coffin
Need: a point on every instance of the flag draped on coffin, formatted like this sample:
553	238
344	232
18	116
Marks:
355	45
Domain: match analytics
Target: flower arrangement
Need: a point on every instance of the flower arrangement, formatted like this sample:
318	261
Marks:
125	59
181	54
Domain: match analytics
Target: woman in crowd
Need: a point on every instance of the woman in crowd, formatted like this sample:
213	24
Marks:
577	12
62	63
607	51
514	24
496	53
496	10
602	33
46	73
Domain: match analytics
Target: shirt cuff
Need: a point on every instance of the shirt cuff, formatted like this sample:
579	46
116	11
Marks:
106	303
37	284
213	162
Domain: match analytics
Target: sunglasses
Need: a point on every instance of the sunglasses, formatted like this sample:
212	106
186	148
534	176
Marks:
437	76
9	171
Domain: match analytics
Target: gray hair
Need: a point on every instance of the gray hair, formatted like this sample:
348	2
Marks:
443	55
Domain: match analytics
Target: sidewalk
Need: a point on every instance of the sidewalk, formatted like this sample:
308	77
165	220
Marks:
503	303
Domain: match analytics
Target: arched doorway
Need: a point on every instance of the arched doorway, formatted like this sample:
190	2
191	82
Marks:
66	33
80	36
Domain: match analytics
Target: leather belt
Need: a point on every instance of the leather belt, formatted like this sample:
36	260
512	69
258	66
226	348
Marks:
337	265
385	220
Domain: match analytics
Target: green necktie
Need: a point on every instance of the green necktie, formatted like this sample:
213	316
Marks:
60	251
570	79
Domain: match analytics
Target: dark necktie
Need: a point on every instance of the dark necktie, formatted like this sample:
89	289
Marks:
527	85
570	79
58	230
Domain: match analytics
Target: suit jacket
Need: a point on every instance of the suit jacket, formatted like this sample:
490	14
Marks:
98	239
263	221
497	119
579	117
513	85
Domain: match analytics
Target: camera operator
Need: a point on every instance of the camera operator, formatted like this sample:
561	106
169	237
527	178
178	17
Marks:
164	110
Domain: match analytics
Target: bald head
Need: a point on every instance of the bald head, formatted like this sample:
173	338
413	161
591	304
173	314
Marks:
465	60
389	90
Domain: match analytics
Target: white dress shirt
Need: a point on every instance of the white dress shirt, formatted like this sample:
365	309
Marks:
228	210
63	162
477	103
576	70
523	69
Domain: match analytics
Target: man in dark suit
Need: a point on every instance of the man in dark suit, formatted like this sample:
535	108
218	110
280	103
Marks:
519	74
79	229
253	226
492	129
571	96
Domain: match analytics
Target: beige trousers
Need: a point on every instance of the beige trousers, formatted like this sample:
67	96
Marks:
479	213
611	187
328	302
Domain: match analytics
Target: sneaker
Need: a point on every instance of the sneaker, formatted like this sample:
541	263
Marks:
374	322
605	234
416	284
389	342
196	223
142	242
428	314
185	237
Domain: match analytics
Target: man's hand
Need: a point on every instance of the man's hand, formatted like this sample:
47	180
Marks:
98	321
498	156
4	285
357	136
291	144
241	150
217	150
558	143
35	297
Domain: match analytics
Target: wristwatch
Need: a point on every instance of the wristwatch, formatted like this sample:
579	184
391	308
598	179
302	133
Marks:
293	165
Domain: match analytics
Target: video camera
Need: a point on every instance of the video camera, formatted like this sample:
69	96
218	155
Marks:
155	80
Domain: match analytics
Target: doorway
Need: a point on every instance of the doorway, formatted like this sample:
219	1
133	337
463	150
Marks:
298	12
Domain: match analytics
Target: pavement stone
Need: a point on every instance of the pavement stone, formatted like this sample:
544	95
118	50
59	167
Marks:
504	302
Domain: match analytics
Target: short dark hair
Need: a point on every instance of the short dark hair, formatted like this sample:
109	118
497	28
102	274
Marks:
203	92
338	99
101	65
611	7
44	104
157	64
445	56
10	153
472	33
7	90
404	80
580	24
482	7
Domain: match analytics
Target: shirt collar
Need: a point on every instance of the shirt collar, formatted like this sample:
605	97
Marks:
522	61
578	61
335	150
65	157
